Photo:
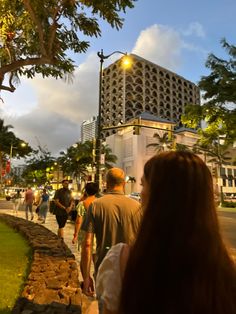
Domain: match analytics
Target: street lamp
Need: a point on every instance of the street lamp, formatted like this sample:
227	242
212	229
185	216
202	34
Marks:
126	63
22	144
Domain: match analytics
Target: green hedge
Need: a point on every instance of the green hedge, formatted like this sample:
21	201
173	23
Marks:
229	204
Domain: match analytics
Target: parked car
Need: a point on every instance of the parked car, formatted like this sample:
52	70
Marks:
136	196
10	192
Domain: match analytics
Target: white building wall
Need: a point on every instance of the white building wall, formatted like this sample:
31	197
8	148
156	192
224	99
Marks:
132	152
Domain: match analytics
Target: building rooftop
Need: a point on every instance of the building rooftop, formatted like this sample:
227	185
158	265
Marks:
150	117
184	129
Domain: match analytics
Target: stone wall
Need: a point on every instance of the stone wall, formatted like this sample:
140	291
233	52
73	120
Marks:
52	286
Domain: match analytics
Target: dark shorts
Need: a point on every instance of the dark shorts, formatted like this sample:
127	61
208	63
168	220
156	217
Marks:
61	220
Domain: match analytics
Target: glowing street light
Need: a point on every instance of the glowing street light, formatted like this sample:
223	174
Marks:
126	63
22	144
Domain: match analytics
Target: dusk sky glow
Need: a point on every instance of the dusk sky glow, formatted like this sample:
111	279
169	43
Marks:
177	35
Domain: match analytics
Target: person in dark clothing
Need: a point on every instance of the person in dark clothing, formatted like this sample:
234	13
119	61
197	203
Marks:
43	206
64	204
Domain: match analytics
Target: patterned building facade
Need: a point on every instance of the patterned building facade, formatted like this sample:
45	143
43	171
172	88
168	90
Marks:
144	87
88	129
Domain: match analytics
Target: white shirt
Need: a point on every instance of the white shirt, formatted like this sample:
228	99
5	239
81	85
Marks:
108	280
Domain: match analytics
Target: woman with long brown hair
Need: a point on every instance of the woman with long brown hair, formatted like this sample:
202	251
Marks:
179	263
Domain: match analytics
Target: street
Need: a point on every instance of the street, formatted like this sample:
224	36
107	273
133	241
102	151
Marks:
228	227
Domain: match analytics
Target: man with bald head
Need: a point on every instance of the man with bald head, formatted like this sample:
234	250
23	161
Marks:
113	218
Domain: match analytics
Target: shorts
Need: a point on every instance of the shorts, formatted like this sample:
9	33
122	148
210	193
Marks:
81	237
61	220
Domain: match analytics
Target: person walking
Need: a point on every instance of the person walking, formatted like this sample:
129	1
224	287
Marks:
113	218
16	201
178	263
43	206
29	200
90	191
64	204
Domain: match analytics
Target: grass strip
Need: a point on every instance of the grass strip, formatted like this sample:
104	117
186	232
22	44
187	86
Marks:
15	260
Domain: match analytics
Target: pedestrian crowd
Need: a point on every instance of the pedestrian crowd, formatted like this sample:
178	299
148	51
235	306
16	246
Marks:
166	251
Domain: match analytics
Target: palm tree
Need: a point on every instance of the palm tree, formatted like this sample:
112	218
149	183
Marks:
110	159
182	147
8	141
218	154
74	161
212	148
80	156
162	143
5	138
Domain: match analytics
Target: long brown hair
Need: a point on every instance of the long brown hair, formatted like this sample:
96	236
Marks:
179	264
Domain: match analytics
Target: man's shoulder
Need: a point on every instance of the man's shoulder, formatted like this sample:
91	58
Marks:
122	198
62	190
58	192
29	192
103	198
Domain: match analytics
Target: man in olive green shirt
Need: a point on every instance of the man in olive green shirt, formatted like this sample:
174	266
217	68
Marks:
113	218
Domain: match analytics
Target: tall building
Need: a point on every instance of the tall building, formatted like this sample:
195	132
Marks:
144	87
88	129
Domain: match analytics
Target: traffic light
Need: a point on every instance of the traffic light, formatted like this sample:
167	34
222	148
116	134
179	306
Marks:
136	130
214	172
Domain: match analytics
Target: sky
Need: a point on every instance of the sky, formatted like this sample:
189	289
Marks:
175	34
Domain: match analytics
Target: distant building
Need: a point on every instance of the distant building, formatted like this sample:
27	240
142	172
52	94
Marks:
88	129
144	87
18	170
133	150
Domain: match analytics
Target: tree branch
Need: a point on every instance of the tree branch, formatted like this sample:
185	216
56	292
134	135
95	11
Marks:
53	29
24	62
38	25
7	88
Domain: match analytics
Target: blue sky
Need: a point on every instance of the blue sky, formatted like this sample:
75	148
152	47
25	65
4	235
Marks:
177	35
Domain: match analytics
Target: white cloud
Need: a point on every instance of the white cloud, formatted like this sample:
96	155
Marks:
161	45
60	109
21	102
196	29
51	130
74	101
52	110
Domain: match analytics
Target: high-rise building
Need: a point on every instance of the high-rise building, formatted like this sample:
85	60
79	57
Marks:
144	87
88	129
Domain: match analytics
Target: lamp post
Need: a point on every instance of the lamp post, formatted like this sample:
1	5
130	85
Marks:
22	144
220	162
102	57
